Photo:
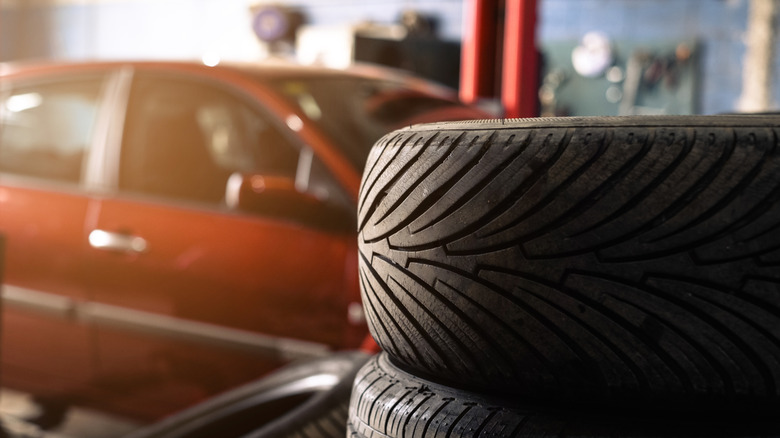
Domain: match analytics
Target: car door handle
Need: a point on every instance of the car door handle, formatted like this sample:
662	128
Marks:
120	242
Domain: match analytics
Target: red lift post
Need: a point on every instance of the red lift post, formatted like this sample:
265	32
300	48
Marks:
478	50
519	63
520	72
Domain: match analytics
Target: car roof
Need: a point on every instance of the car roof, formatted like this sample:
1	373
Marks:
270	66
267	69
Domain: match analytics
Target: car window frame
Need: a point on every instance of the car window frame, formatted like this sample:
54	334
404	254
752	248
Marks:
96	144
109	180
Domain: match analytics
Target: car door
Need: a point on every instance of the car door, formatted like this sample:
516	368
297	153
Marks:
48	129
190	290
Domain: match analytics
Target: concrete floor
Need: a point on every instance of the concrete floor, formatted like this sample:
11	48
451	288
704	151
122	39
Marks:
80	423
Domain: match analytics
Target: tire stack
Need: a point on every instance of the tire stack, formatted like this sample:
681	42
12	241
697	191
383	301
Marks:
572	277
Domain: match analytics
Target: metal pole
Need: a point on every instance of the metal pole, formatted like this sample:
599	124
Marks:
520	73
478	50
759	58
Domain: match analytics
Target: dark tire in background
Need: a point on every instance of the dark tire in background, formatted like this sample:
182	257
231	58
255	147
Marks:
621	260
307	399
388	402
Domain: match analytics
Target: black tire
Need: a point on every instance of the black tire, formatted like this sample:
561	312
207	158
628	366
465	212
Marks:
603	259
390	403
302	400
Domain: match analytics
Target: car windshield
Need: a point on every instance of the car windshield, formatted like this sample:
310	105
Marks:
356	112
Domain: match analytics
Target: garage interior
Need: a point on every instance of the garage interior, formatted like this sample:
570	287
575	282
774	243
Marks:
698	57
513	58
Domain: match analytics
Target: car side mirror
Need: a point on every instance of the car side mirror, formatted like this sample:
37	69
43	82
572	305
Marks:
278	197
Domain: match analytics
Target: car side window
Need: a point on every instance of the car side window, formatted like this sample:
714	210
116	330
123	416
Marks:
184	138
46	129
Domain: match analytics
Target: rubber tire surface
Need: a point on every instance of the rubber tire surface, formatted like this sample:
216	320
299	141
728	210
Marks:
388	402
307	399
629	259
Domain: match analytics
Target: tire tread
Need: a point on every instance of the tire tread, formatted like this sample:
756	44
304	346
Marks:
608	257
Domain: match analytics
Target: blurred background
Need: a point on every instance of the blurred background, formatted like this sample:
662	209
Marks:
512	57
670	56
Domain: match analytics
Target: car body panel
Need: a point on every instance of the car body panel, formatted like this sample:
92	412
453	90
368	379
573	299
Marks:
242	255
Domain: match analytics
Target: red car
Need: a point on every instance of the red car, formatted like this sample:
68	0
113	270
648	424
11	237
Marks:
175	229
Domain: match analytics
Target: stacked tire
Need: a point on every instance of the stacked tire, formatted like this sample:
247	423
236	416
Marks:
572	277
